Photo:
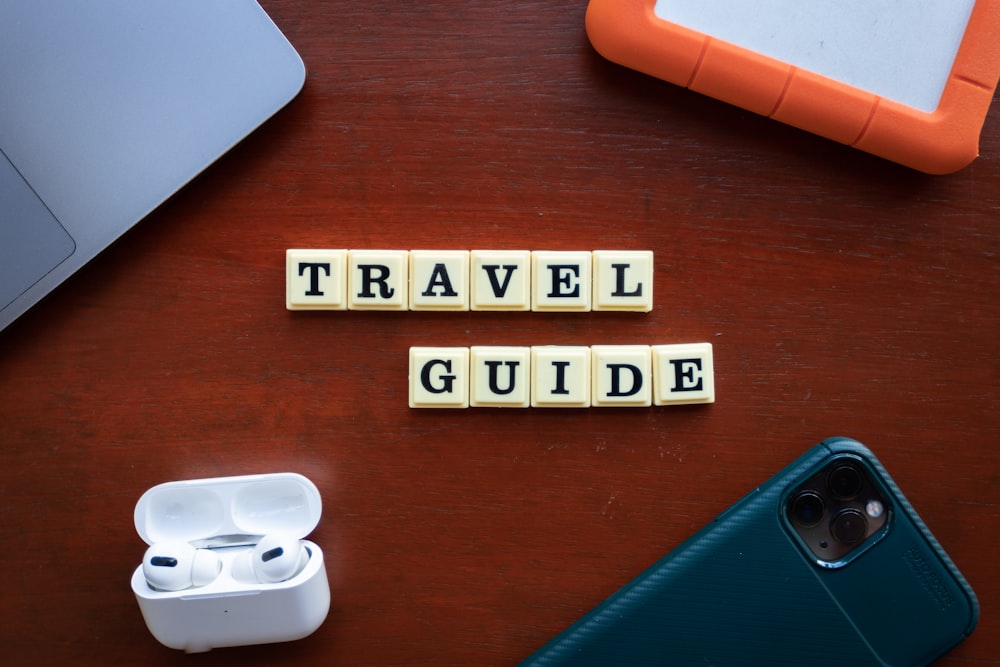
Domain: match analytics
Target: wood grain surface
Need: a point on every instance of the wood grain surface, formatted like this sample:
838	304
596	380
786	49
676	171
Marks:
843	294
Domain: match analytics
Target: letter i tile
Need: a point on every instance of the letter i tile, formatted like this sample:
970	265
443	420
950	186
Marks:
560	376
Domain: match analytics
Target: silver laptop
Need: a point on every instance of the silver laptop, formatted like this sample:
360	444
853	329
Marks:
108	107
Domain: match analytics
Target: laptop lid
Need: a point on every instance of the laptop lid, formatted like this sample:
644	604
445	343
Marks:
108	108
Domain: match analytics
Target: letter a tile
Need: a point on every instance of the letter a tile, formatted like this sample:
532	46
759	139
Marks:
439	280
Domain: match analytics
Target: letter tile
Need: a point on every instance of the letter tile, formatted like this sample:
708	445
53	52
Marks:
623	280
439	280
500	376
560	376
315	279
621	376
500	279
561	280
378	280
683	374
439	377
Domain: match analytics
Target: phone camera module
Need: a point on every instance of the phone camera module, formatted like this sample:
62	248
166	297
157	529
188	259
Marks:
849	527
845	482
837	510
807	508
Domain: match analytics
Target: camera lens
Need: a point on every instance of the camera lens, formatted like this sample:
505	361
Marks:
849	527
807	508
845	482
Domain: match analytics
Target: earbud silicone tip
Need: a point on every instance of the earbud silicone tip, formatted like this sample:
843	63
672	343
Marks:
206	567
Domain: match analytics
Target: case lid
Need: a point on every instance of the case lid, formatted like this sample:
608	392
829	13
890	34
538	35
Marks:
228	510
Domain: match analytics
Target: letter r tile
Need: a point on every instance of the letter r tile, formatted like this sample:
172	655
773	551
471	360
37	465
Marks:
315	279
378	280
439	377
621	376
683	374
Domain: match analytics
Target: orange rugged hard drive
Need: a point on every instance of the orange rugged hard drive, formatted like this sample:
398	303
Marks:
908	80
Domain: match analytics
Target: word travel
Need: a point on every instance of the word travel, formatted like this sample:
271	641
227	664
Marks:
552	376
461	280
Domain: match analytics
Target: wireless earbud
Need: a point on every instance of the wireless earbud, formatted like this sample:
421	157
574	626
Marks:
275	558
174	566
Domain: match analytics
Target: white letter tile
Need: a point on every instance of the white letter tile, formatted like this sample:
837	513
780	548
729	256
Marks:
623	280
315	279
501	279
560	376
561	281
378	280
683	374
439	280
439	377
500	376
621	376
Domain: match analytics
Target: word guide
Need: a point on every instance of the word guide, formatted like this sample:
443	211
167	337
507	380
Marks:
462	280
553	376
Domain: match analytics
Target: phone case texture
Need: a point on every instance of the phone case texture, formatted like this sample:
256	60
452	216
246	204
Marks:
742	592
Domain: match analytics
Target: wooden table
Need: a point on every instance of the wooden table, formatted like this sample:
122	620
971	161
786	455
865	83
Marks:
844	295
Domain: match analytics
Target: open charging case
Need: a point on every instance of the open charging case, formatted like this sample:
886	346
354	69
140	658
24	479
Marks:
229	515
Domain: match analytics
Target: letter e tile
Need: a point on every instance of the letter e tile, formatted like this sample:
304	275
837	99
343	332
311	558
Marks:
683	374
561	280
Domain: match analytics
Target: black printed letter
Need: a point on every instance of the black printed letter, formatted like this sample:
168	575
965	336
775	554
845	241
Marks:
368	279
314	269
448	380
439	278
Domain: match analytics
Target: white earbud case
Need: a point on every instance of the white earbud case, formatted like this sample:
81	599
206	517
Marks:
229	515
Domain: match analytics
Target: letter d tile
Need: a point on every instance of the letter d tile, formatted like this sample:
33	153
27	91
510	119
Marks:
621	376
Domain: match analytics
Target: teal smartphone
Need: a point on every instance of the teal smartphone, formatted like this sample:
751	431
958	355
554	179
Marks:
826	564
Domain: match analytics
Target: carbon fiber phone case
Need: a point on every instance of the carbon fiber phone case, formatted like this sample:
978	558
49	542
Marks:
744	592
